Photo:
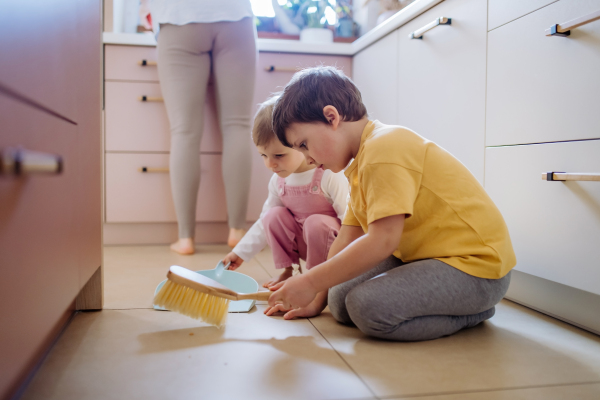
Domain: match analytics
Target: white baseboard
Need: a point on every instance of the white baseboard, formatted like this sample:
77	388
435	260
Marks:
574	306
162	233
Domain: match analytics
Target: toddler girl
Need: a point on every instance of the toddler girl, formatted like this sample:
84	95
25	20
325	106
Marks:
301	216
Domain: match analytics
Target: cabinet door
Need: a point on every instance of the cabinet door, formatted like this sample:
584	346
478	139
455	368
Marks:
504	11
441	80
544	88
376	75
39	238
554	226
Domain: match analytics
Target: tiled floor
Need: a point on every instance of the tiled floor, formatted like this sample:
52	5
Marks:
130	351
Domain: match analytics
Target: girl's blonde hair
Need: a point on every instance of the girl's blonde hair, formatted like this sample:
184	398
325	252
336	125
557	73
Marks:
262	131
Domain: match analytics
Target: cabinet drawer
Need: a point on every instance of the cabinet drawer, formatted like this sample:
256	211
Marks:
268	82
504	11
441	80
543	88
123	63
554	226
134	196
134	125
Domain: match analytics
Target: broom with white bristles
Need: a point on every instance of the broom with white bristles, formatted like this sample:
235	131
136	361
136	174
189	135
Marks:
199	297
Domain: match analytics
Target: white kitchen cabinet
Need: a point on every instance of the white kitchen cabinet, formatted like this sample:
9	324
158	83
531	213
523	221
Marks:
503	11
544	88
554	226
441	80
376	76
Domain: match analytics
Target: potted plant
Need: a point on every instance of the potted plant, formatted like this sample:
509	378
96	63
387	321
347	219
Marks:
310	16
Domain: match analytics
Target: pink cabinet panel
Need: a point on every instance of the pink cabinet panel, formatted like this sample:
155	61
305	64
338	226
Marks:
135	196
134	125
123	63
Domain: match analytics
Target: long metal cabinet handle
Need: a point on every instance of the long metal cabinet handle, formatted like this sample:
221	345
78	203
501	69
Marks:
149	169
418	34
18	161
146	63
572	176
148	98
564	29
272	68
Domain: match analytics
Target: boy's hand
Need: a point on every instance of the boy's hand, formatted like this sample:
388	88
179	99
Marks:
235	260
295	292
312	310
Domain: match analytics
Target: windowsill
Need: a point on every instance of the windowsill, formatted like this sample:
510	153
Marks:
283	36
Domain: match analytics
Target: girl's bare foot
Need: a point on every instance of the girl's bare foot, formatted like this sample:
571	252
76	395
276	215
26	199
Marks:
184	246
287	273
235	235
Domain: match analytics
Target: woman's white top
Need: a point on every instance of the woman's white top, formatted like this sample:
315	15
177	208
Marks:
333	185
181	12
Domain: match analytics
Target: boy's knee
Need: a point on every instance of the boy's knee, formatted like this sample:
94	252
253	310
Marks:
336	300
368	317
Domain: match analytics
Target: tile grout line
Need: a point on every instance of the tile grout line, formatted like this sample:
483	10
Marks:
409	396
344	360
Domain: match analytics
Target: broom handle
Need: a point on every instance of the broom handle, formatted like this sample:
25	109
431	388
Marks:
260	296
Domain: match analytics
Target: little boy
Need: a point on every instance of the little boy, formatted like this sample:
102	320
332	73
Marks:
423	251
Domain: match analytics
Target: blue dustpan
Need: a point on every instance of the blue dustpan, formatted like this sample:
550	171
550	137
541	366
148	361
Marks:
233	280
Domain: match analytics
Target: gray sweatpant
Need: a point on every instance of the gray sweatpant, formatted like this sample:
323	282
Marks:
421	300
186	56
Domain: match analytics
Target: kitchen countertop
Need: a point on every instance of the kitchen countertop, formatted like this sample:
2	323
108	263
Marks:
295	46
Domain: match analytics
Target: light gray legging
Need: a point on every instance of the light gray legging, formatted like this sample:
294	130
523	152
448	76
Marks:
421	300
186	56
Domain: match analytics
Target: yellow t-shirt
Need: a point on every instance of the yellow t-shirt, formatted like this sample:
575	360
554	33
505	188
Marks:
450	217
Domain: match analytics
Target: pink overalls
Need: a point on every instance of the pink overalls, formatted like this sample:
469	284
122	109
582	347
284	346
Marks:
304	228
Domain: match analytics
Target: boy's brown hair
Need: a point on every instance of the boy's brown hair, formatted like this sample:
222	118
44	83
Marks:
262	130
308	92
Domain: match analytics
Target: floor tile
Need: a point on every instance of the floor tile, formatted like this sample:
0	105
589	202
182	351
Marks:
518	347
147	354
131	273
570	392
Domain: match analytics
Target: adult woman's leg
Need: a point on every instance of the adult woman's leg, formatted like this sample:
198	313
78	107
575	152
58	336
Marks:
234	69
423	300
184	69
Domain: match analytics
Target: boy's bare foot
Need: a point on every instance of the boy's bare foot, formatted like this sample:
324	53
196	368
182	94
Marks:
184	246
287	273
235	235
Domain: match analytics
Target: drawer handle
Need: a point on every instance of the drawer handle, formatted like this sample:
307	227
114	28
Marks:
272	68
146	63
152	170
148	98
17	161
418	34
573	176
564	29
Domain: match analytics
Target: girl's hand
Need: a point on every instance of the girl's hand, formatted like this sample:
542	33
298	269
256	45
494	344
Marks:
293	293
235	260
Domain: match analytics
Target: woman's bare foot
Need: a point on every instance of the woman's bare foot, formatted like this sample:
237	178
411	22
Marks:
235	235
184	246
287	273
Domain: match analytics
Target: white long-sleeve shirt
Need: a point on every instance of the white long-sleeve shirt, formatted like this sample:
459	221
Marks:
333	185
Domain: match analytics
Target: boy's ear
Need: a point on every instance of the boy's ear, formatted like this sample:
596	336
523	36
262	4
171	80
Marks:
332	116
